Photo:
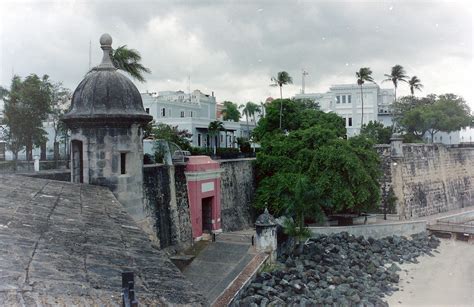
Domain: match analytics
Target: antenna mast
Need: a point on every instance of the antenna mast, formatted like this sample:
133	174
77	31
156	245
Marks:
189	85
304	73
89	55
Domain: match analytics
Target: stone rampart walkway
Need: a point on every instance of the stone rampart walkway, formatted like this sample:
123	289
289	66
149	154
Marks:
64	244
219	264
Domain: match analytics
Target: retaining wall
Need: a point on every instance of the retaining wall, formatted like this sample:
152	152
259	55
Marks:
428	178
376	231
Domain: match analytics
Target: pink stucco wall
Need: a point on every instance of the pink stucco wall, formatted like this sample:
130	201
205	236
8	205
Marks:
203	180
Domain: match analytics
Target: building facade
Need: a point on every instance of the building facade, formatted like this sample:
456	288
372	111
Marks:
194	112
345	100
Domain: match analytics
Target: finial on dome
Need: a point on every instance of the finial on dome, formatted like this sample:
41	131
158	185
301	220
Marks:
106	40
106	45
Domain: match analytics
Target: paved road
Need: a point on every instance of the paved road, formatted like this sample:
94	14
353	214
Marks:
64	244
217	266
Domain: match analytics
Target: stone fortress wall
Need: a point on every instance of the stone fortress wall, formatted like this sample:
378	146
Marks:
428	178
166	203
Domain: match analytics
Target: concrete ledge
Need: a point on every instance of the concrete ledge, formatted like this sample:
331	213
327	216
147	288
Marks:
241	281
376	231
462	217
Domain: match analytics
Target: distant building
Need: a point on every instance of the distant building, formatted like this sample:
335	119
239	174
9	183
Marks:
345	100
193	112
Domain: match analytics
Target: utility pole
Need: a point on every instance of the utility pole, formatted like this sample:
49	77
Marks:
304	73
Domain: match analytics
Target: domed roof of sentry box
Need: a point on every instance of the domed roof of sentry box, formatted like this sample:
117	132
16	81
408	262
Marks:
106	96
265	219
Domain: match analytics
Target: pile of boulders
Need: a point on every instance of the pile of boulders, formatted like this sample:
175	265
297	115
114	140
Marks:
337	269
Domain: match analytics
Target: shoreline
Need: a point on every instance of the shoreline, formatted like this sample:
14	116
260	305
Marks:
447	279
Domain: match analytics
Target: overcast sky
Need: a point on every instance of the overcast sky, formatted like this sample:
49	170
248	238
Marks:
233	48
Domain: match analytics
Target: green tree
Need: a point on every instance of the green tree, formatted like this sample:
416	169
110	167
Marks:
415	84
418	116
26	107
282	78
172	134
342	174
397	75
376	132
298	114
249	110
60	101
128	60
231	111
363	75
214	128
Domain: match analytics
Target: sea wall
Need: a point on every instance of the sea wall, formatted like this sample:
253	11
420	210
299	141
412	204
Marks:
428	178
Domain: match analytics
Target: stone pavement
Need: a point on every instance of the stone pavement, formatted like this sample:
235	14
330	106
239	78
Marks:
218	265
64	244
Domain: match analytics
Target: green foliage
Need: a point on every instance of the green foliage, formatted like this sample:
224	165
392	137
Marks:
415	84
342	175
244	145
364	74
377	132
214	128
128	60
172	134
417	116
27	105
282	78
397	75
231	111
297	114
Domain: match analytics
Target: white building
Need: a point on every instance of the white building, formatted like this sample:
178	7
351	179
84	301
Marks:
193	112
345	100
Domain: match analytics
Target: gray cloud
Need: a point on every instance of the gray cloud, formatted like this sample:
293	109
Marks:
233	48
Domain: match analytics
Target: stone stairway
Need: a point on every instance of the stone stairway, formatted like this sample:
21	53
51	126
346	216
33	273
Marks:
214	269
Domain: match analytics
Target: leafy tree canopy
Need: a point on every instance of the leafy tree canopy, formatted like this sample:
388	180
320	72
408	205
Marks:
342	175
231	111
27	105
297	114
377	132
172	134
417	116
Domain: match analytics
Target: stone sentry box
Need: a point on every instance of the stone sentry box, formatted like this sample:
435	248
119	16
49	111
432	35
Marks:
106	120
203	176
266	239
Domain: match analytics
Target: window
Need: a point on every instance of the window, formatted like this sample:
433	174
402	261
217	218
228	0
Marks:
182	113
191	114
123	160
338	99
163	112
199	139
343	98
348	98
222	138
147	110
349	121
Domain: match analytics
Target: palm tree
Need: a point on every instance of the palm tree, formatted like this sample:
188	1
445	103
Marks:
415	84
214	128
398	74
128	60
364	74
281	79
249	110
